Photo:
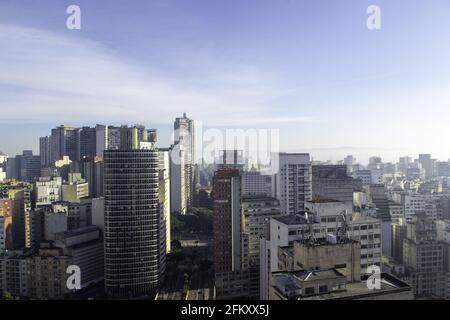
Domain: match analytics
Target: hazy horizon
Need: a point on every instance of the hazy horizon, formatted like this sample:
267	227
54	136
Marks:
334	154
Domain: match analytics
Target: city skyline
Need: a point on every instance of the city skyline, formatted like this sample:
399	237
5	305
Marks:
333	155
328	83
100	201
230	153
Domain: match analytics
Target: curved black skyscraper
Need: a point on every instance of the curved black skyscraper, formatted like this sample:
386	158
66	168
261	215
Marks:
134	247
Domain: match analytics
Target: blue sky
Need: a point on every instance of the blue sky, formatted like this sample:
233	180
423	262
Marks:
310	68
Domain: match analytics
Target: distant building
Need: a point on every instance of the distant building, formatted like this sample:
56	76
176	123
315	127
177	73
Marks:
294	182
93	141
430	187
231	159
332	182
178	193
427	164
443	169
25	167
415	173
12	168
254	183
349	162
44	151
113	138
398	237
184	135
364	175
64	141
91	170
396	211
425	258
380	200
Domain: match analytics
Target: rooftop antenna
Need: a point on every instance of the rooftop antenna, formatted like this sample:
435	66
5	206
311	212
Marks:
311	235
341	232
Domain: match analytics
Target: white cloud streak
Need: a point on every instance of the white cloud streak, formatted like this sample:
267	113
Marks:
47	77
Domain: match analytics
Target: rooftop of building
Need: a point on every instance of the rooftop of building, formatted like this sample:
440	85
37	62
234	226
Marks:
325	242
358	217
18	254
48	179
292	219
83	201
360	290
288	250
14	183
79	231
84	244
292	282
294	153
259	198
324	200
226	173
308	276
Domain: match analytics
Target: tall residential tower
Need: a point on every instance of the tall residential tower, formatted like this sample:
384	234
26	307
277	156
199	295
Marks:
294	182
184	137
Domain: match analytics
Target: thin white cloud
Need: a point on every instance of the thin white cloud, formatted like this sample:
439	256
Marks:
257	121
50	77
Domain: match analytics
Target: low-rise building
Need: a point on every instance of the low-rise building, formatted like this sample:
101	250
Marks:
75	189
43	274
47	190
329	270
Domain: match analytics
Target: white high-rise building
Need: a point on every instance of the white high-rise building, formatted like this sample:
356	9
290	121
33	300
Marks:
185	137
294	181
164	191
178	195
